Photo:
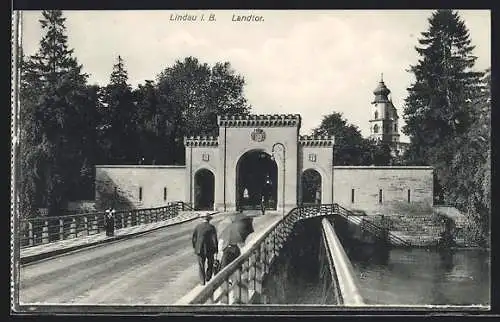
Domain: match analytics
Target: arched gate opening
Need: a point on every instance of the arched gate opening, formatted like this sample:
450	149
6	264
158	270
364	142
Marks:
256	177
311	187
204	190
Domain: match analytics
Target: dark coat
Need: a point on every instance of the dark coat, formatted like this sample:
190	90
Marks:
205	239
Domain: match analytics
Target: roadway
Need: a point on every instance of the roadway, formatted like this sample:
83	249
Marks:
155	268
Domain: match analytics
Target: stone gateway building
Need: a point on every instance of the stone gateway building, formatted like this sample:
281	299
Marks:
262	156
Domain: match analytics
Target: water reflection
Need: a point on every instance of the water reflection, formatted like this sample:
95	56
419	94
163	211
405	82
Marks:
421	277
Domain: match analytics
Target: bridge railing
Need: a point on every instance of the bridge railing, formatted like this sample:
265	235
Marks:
241	279
43	230
346	288
381	232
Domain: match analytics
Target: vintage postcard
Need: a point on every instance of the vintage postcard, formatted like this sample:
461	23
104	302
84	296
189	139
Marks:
250	160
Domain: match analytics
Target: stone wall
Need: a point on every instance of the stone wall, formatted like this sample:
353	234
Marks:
424	230
393	183
132	180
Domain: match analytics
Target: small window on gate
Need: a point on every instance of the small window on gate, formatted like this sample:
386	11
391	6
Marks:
352	195
380	196
408	195
164	194
140	193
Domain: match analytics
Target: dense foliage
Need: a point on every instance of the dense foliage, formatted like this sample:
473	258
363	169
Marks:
68	126
447	115
350	146
56	104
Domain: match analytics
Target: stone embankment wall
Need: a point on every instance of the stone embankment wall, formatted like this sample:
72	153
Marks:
419	231
424	227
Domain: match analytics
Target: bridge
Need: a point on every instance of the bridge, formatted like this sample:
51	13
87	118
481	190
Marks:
68	260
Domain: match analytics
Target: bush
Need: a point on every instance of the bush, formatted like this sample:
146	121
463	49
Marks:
473	235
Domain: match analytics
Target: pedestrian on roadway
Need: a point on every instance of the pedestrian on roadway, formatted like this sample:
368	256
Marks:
263	206
233	238
109	222
205	246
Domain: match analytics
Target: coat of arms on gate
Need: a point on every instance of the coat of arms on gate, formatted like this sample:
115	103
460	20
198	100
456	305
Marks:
258	135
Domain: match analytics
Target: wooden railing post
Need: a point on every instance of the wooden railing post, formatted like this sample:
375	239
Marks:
122	216
263	248
45	232
244	282
31	240
72	229
61	229
237	286
95	224
251	271
259	272
225	292
86	225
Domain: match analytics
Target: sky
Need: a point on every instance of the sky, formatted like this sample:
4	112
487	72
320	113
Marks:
294	61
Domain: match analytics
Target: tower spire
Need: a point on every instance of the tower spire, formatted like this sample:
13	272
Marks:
381	77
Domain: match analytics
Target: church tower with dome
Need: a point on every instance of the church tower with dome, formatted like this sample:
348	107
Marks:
384	120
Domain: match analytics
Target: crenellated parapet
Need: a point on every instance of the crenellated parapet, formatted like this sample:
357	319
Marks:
200	141
317	140
265	120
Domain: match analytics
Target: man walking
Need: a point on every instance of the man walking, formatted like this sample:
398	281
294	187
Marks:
205	246
109	222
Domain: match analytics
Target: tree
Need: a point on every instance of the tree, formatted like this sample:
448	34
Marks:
155	124
447	116
437	107
119	119
470	179
350	147
193	94
381	154
52	85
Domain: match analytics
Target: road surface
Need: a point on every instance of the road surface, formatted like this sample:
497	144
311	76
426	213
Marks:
156	268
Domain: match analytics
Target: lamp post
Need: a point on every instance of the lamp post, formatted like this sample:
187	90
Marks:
282	147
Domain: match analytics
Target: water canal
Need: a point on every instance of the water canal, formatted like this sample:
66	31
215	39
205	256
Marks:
394	276
421	277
